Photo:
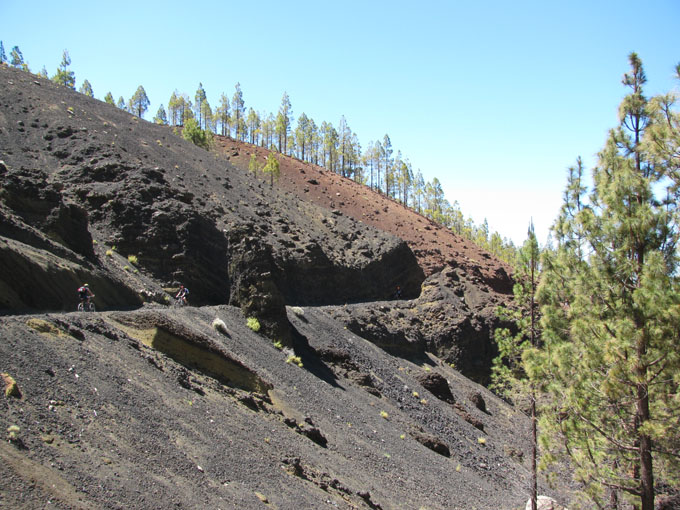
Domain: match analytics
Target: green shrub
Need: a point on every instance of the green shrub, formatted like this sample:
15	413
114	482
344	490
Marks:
132	259
253	323
13	432
278	345
109	253
294	359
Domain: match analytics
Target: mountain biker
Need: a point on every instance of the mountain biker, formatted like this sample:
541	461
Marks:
182	294
85	294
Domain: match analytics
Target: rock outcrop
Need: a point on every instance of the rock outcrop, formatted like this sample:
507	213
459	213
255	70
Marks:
78	173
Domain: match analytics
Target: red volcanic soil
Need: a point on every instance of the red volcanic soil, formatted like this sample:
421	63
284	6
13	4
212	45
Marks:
433	245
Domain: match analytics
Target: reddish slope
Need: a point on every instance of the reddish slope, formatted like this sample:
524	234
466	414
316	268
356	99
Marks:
433	245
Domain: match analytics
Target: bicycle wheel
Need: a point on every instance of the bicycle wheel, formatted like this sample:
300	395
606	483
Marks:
80	307
90	307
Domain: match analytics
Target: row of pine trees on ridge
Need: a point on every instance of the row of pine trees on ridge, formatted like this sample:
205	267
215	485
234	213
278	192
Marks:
337	149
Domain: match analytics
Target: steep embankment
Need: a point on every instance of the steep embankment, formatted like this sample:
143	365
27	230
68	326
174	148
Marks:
455	314
156	409
79	173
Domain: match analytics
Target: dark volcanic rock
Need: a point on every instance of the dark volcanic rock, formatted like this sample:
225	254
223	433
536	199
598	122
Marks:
40	204
78	171
437	384
453	317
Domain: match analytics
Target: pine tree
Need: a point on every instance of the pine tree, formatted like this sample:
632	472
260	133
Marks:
16	58
3	57
174	109
510	375
238	109
222	114
108	98
161	117
611	312
86	89
272	168
253	165
121	103
199	99
193	132
301	136
139	102
329	146
253	122
64	76
387	163
268	131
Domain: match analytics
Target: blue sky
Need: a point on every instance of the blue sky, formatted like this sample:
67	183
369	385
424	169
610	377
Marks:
496	99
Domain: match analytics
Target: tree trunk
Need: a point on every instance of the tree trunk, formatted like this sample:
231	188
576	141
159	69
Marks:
646	470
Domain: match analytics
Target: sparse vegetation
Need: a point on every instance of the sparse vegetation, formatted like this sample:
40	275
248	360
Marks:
253	324
132	259
109	253
13	432
278	345
11	386
294	359
383	414
298	311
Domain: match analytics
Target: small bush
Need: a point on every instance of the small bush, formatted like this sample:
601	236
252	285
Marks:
109	253
383	414
132	259
294	359
278	345
481	440
298	311
13	432
126	268
253	324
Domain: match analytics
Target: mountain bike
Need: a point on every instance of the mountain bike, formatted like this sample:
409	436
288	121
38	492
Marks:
86	306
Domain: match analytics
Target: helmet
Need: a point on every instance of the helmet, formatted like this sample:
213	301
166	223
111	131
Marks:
85	285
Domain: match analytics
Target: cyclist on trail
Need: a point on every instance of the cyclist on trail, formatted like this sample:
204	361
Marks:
85	294
182	294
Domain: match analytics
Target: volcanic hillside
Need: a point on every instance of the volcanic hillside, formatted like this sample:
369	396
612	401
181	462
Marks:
343	398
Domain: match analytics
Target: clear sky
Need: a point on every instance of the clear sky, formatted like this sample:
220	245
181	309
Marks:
494	98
